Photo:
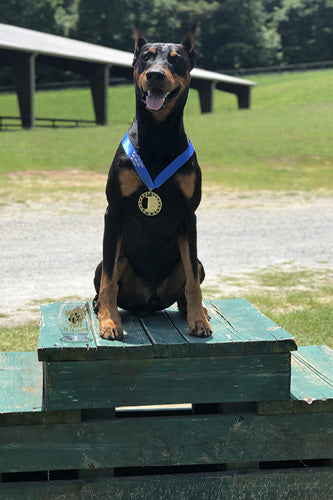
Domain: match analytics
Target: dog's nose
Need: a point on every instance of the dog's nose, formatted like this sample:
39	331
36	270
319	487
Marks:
155	76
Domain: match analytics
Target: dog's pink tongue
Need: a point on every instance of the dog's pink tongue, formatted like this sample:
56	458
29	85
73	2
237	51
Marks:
154	101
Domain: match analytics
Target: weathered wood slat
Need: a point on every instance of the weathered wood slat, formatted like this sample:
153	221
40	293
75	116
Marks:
136	344
167	381
295	484
311	383
21	382
166	340
320	357
251	323
166	441
312	374
220	343
238	328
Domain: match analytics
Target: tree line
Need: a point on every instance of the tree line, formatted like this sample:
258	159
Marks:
233	33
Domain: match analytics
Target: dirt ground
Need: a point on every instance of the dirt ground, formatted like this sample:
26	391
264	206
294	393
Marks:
49	247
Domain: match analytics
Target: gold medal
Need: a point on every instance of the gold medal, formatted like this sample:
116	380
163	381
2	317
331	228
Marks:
150	203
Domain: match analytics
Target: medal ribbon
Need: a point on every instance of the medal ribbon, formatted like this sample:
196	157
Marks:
142	171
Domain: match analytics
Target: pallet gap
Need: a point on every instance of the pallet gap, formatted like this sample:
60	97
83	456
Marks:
169	469
169	410
296	464
154	412
39	476
136	411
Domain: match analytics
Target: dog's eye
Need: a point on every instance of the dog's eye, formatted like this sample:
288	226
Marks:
174	56
150	54
146	56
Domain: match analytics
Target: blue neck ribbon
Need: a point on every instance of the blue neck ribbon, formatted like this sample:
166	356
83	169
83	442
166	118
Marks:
142	171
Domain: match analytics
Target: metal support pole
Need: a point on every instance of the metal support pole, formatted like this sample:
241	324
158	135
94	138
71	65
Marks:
24	78
206	92
242	92
99	83
244	97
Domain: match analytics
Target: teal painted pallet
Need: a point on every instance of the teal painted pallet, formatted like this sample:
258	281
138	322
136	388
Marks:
222	447
225	437
295	434
247	359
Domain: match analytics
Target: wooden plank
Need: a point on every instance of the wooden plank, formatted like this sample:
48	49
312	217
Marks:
135	344
220	343
166	441
311	383
312	374
284	484
167	381
319	359
21	382
224	341
252	325
238	328
166	340
53	346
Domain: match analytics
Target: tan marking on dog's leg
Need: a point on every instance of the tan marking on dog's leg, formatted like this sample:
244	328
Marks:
110	326
129	182
196	314
187	184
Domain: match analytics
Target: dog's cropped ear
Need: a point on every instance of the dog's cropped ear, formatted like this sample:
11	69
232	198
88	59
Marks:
139	43
188	43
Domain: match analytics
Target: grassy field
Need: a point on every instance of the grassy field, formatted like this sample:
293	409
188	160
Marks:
283	143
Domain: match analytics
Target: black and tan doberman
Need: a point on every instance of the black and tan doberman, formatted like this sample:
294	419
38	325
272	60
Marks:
153	189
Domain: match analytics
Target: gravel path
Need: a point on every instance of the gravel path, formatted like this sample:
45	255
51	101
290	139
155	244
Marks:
47	252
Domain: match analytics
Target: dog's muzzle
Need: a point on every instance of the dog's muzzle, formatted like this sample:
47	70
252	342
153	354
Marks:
156	99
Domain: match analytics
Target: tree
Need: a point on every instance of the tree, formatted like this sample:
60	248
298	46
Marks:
306	30
32	14
233	33
159	20
238	36
66	15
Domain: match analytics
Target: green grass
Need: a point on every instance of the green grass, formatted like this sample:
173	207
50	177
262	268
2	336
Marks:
20	338
282	143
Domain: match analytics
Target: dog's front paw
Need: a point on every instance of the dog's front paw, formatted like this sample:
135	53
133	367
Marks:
199	324
110	330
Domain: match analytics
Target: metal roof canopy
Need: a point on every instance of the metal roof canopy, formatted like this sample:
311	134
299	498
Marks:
20	47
